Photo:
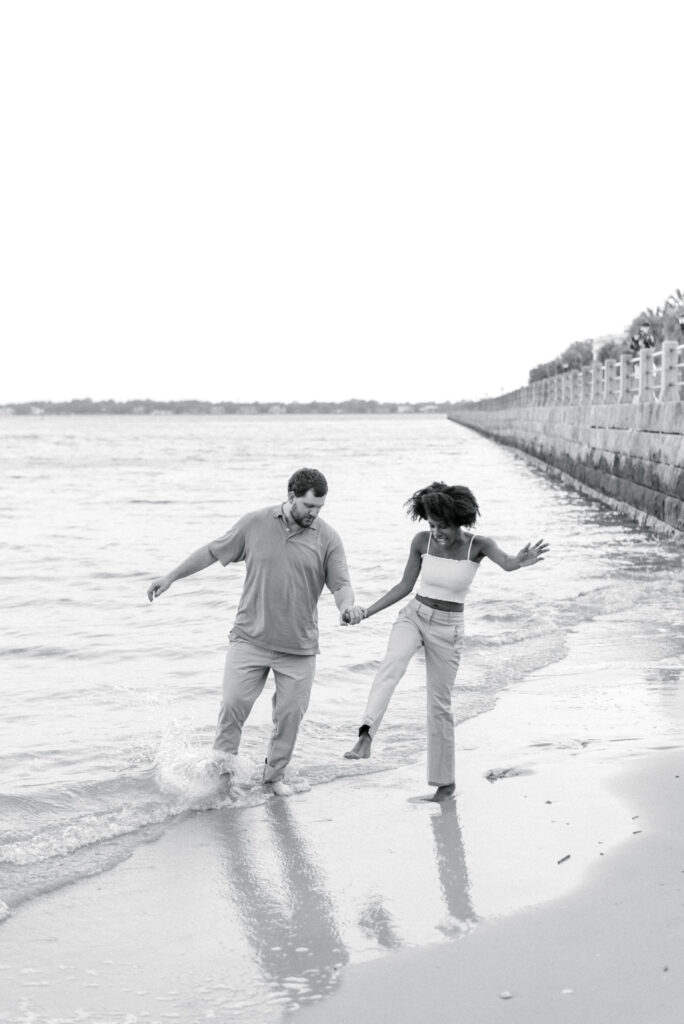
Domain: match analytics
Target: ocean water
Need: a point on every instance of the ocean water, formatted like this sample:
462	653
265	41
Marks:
108	702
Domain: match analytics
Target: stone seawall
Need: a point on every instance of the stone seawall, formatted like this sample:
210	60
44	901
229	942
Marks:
630	456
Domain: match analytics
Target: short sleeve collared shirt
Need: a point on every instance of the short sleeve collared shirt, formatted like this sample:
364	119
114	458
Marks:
285	575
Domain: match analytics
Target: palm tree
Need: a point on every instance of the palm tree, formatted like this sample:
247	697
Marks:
647	329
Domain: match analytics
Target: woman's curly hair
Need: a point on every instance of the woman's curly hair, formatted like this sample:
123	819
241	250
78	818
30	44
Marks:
452	506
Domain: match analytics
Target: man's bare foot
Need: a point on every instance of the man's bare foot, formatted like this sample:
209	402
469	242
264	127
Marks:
444	792
279	788
361	748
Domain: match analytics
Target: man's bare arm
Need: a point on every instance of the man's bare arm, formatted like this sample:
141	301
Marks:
195	562
349	613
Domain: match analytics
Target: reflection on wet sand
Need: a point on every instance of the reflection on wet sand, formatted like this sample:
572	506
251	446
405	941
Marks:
666	678
285	910
302	929
377	922
452	869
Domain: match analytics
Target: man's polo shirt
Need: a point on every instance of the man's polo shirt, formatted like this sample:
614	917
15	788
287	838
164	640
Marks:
285	574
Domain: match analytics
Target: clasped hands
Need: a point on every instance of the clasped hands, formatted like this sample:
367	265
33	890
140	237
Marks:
352	616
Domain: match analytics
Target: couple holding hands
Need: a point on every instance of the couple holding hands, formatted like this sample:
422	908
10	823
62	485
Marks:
290	554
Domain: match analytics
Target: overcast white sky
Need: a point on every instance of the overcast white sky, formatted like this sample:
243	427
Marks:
315	200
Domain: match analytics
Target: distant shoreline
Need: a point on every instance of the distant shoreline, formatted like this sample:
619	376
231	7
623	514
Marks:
148	407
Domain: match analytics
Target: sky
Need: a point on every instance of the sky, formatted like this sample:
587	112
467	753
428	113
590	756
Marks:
312	200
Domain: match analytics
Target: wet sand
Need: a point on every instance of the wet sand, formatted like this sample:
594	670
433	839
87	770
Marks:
247	916
550	889
611	950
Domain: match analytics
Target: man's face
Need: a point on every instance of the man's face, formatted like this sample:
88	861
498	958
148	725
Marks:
305	509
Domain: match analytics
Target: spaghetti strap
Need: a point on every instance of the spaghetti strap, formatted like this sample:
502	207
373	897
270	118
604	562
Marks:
470	546
427	550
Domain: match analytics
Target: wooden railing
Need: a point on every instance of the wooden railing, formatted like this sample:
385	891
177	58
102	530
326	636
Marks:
648	377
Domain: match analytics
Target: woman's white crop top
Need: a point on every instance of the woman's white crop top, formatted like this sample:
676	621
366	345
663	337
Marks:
447	579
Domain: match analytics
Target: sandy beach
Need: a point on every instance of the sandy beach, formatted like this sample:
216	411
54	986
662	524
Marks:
550	889
609	950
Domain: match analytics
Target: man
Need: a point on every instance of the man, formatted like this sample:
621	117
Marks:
289	554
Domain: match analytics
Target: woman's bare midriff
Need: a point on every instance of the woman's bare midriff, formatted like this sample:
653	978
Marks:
442	606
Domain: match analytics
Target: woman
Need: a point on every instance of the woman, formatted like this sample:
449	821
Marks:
446	558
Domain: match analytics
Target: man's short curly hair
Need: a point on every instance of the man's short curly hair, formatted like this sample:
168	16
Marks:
452	506
307	480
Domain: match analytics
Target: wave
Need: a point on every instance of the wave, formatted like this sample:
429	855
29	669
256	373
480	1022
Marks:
36	651
129	575
364	667
60	839
154	793
92	826
89	828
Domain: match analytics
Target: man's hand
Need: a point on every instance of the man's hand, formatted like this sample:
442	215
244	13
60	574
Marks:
352	616
157	587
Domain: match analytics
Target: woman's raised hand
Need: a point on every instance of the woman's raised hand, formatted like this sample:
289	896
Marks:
533	553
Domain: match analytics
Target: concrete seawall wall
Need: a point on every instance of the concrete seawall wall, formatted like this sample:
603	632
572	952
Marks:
630	456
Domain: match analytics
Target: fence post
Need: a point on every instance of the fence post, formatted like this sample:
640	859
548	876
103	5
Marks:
586	385
575	387
567	388
610	382
646	390
596	383
625	394
669	380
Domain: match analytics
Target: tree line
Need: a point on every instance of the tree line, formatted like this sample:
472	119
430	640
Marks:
647	330
148	406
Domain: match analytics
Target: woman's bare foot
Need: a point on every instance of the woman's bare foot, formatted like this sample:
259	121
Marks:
279	788
444	792
361	748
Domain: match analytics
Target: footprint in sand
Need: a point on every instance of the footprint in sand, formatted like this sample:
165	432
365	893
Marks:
506	773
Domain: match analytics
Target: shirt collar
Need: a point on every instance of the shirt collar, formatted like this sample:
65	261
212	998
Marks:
278	514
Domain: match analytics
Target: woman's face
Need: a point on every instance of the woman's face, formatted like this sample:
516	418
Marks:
442	533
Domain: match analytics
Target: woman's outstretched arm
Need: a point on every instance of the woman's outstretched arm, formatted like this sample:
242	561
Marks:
529	555
405	585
